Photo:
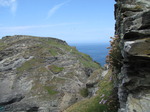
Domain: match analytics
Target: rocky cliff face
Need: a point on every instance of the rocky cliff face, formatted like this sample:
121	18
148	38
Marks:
41	74
133	28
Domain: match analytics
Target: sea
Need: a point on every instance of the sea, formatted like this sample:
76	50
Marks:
97	52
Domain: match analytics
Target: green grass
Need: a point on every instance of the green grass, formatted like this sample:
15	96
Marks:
89	63
2	45
85	59
84	92
29	65
55	69
55	43
93	104
53	52
57	80
42	70
50	47
50	90
46	92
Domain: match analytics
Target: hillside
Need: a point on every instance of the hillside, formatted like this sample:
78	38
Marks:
42	74
105	99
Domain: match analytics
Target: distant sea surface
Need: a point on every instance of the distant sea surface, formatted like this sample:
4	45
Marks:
97	52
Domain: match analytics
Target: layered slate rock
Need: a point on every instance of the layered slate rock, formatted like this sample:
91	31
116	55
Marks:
41	74
133	27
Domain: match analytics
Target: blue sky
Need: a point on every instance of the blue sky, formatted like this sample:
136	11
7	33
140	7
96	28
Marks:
75	21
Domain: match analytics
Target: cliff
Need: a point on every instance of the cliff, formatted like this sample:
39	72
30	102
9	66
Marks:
133	29
46	75
42	74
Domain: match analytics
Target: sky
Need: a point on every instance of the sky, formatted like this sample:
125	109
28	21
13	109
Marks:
75	21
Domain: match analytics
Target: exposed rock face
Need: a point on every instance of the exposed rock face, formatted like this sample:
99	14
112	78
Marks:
133	27
41	74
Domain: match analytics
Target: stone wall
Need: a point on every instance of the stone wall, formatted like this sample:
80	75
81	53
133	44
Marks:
133	27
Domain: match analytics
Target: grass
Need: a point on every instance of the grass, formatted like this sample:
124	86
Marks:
57	80
44	47
84	92
53	52
29	65
85	59
2	45
55	43
55	69
88	63
104	101
50	90
95	74
52	48
42	70
45	92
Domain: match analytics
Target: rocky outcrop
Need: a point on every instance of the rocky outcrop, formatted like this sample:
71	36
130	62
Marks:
133	28
41	74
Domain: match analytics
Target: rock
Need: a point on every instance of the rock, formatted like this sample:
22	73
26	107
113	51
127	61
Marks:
140	104
88	71
138	47
133	28
11	99
68	100
92	82
41	74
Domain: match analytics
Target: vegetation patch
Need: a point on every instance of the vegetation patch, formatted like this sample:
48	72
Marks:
95	75
84	92
41	89
57	80
104	101
2	45
56	43
42	70
85	59
50	90
55	69
114	59
69	74
53	52
49	47
29	65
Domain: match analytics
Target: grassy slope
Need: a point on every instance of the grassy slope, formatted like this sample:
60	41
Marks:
41	49
104	101
52	48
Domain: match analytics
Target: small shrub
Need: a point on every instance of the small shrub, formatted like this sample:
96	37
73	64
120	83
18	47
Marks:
84	92
114	59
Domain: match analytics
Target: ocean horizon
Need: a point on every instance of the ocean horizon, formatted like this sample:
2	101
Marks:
97	51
